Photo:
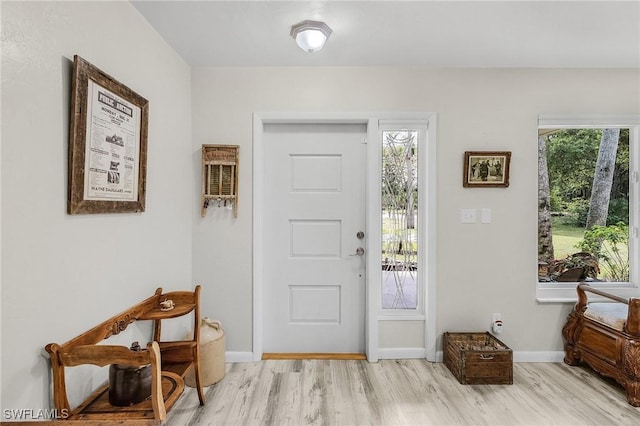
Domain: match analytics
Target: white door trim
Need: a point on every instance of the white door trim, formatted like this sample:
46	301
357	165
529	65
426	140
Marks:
373	168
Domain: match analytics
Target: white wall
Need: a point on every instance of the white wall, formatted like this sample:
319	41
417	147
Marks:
480	268
63	274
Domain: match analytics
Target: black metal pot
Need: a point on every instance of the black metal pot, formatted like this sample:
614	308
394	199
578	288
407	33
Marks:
129	384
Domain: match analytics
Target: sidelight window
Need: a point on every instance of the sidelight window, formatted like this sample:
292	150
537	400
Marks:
400	286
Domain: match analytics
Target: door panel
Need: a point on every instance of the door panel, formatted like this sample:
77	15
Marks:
316	172
314	304
314	297
316	238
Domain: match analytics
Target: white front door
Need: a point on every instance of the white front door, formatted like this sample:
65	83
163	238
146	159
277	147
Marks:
314	284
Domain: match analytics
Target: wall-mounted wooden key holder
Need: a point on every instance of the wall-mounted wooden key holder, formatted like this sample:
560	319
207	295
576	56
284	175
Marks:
220	177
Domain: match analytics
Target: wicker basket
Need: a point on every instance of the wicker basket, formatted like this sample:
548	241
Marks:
478	358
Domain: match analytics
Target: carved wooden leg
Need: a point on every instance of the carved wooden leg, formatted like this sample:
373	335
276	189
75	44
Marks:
571	356
633	392
632	370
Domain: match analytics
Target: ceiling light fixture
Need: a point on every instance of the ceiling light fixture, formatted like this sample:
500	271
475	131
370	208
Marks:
310	35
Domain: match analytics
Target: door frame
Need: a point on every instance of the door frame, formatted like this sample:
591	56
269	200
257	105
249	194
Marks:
372	206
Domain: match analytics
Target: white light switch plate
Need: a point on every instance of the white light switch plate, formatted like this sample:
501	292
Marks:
468	215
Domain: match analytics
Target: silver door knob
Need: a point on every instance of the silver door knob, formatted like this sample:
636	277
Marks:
359	252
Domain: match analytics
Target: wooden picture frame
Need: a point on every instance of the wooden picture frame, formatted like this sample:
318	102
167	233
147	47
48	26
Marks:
486	169
107	144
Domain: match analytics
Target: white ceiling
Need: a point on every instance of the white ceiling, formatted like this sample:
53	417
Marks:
433	33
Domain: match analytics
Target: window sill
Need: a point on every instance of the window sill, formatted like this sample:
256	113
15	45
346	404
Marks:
566	292
404	316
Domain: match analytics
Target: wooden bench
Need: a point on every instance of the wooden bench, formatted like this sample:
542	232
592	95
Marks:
606	336
169	361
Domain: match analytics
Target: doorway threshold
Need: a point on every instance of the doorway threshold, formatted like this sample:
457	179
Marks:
339	356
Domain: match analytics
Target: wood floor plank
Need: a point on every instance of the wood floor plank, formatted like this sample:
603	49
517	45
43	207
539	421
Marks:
261	391
239	398
403	392
348	402
315	409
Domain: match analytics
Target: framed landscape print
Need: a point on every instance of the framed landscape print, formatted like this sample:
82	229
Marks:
486	169
107	144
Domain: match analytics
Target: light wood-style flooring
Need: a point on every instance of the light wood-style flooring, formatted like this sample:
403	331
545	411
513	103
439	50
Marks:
402	392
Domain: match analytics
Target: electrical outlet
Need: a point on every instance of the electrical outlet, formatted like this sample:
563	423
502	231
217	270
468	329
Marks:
496	323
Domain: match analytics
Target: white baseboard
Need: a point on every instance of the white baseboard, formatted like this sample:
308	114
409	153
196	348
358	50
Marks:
527	356
384	353
409	353
538	356
401	353
238	356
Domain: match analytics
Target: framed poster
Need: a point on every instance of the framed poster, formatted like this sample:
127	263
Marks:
107	144
486	169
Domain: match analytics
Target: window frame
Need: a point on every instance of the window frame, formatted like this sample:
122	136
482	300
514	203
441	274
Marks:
424	192
566	292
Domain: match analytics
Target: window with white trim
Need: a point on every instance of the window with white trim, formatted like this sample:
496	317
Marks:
402	204
588	213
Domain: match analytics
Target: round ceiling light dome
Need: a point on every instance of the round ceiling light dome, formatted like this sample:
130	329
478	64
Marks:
310	35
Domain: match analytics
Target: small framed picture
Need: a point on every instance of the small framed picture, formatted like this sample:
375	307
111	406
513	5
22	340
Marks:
486	169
